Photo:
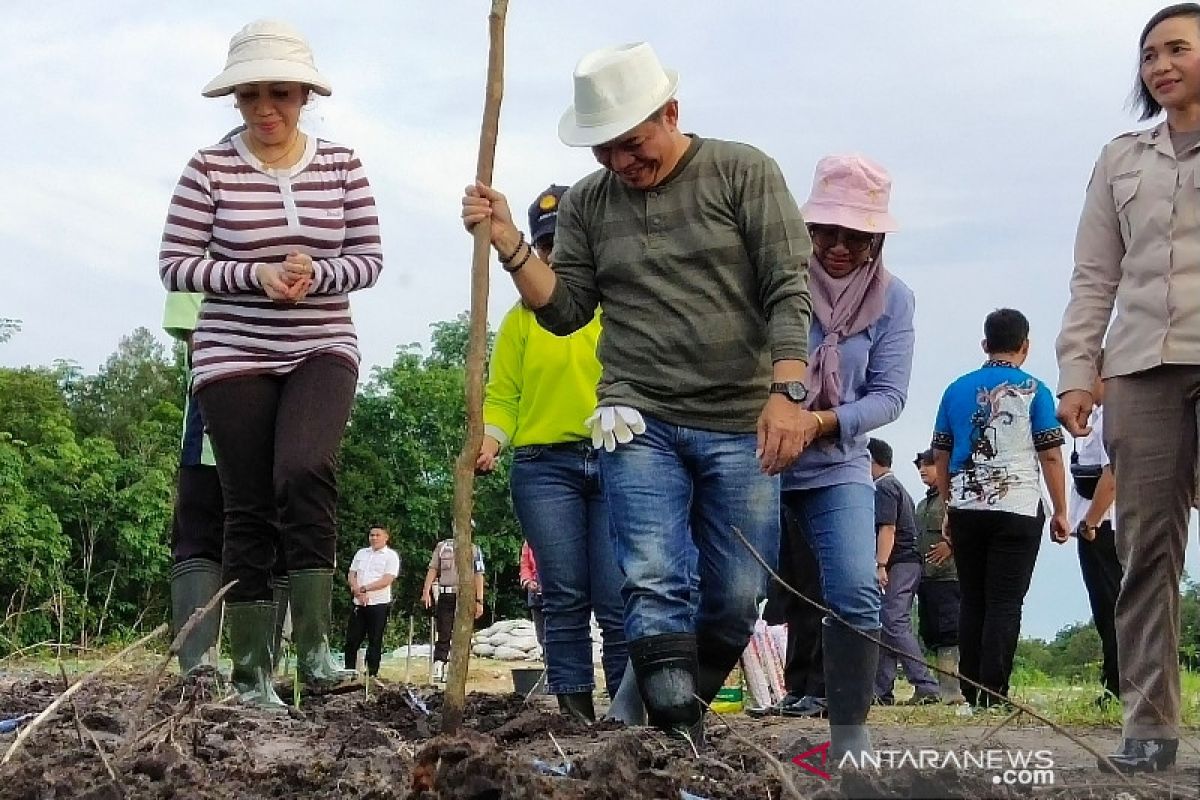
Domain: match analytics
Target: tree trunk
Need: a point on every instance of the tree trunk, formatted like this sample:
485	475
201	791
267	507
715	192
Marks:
464	471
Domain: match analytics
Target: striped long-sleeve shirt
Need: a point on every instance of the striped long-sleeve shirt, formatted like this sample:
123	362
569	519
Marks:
228	214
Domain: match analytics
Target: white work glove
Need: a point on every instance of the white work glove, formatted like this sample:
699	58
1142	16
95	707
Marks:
614	424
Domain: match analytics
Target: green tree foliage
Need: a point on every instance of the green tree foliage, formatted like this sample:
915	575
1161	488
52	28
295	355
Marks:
398	471
87	469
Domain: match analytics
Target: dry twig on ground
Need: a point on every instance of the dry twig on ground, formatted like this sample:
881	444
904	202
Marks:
66	695
172	651
1020	706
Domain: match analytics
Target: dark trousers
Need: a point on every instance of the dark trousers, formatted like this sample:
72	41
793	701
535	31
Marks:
937	613
276	440
198	519
995	552
804	669
1101	572
366	622
444	614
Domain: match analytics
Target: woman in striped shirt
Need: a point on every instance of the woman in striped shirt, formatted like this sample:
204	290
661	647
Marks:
275	228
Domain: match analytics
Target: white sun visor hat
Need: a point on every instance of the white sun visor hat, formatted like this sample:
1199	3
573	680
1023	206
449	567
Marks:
268	51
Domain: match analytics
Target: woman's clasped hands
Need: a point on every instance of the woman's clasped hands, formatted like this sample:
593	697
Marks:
288	281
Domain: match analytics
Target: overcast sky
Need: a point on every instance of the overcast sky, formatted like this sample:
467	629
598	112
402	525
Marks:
989	116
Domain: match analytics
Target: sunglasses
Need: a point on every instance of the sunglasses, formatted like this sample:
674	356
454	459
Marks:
827	236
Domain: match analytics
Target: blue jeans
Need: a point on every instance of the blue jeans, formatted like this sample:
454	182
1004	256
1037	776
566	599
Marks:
557	494
675	495
839	523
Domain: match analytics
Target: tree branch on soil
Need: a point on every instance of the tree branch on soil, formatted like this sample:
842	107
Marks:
833	615
172	651
40	718
785	780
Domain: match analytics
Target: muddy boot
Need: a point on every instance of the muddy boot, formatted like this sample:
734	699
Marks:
193	583
283	622
627	705
665	666
949	688
850	661
578	705
250	629
310	591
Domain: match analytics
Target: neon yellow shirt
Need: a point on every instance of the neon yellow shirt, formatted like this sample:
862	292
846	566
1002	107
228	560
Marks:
541	387
180	314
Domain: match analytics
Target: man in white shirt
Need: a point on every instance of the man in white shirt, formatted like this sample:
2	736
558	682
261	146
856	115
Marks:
371	574
1091	517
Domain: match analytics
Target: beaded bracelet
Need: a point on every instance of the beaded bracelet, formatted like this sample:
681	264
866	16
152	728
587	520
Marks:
513	269
515	251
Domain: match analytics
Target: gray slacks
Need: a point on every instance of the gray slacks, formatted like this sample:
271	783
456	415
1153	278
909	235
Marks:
1150	433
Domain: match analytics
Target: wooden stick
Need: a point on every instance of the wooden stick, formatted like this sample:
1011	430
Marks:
172	651
464	470
74	708
40	718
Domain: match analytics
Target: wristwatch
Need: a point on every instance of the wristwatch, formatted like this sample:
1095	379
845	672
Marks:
795	391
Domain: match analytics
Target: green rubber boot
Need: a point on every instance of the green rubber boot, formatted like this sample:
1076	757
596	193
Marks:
251	628
193	583
310	593
283	622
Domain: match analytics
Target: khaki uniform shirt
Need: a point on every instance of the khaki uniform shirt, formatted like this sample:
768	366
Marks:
443	562
1137	253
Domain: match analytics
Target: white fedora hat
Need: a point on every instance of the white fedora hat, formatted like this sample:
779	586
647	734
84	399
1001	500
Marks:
268	51
616	89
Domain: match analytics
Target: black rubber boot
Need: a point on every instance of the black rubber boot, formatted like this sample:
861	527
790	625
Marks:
310	592
193	583
250	628
850	662
715	660
627	705
578	705
279	587
665	666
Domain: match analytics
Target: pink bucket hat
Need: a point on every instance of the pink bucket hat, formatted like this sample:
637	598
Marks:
851	191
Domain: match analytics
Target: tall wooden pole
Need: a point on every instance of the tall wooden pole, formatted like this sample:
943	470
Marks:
464	471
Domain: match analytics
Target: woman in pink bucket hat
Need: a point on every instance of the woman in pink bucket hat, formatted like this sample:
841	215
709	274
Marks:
861	341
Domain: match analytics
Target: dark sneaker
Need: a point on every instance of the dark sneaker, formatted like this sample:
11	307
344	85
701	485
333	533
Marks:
923	699
808	706
1142	755
777	709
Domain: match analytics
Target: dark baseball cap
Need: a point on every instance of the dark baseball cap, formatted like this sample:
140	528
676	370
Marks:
543	214
924	457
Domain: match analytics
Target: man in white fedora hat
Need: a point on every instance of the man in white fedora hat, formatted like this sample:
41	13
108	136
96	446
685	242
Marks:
698	254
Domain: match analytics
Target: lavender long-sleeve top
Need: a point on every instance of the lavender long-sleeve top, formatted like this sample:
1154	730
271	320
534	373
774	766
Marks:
876	365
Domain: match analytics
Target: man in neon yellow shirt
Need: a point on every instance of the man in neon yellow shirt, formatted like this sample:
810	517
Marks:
540	391
197	525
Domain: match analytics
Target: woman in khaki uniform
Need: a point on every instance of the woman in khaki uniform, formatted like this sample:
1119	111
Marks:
1137	267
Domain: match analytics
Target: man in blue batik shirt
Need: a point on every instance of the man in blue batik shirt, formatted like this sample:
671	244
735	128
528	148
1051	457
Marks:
995	432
